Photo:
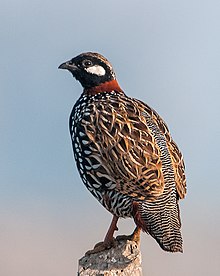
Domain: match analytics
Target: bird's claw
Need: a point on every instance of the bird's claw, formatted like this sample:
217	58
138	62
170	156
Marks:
101	246
135	236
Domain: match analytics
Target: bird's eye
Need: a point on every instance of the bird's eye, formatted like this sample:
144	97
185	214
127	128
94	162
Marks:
86	63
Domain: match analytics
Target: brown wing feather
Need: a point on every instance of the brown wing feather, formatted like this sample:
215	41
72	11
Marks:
128	149
175	153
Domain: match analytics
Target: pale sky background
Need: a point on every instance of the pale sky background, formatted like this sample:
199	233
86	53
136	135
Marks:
166	53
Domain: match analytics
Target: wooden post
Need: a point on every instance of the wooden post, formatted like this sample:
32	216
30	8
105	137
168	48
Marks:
124	259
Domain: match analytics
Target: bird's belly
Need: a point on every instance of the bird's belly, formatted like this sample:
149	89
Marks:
116	203
98	181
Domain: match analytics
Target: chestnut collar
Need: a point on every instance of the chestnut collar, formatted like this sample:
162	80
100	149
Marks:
104	87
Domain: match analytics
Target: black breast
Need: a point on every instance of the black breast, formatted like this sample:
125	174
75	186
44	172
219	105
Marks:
88	155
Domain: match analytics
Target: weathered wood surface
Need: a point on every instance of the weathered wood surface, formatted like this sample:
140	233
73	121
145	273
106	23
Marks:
123	259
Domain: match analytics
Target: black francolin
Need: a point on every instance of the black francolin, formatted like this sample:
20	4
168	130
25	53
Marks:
125	155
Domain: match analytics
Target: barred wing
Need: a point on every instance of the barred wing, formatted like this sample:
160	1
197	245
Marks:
128	147
175	153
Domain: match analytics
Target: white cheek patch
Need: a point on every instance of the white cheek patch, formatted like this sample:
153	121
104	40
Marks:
96	69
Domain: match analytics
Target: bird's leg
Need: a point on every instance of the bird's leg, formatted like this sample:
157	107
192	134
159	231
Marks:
112	228
135	236
109	239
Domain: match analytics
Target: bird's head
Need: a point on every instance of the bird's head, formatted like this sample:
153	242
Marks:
93	71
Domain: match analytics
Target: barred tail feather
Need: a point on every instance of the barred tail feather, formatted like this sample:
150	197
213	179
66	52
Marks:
163	226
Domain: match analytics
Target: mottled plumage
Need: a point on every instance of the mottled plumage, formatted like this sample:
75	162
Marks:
125	154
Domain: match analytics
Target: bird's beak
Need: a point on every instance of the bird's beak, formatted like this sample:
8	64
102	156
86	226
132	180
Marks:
69	65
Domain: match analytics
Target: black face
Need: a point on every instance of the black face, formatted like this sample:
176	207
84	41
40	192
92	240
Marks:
90	69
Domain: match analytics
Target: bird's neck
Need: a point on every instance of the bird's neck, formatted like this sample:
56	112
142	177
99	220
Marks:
107	86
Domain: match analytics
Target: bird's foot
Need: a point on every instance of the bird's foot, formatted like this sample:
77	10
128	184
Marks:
101	246
135	236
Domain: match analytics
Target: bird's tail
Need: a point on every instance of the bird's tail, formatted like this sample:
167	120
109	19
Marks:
163	225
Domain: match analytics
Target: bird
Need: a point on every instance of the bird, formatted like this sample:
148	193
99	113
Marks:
125	155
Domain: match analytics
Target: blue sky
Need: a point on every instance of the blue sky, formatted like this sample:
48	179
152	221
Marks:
165	53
